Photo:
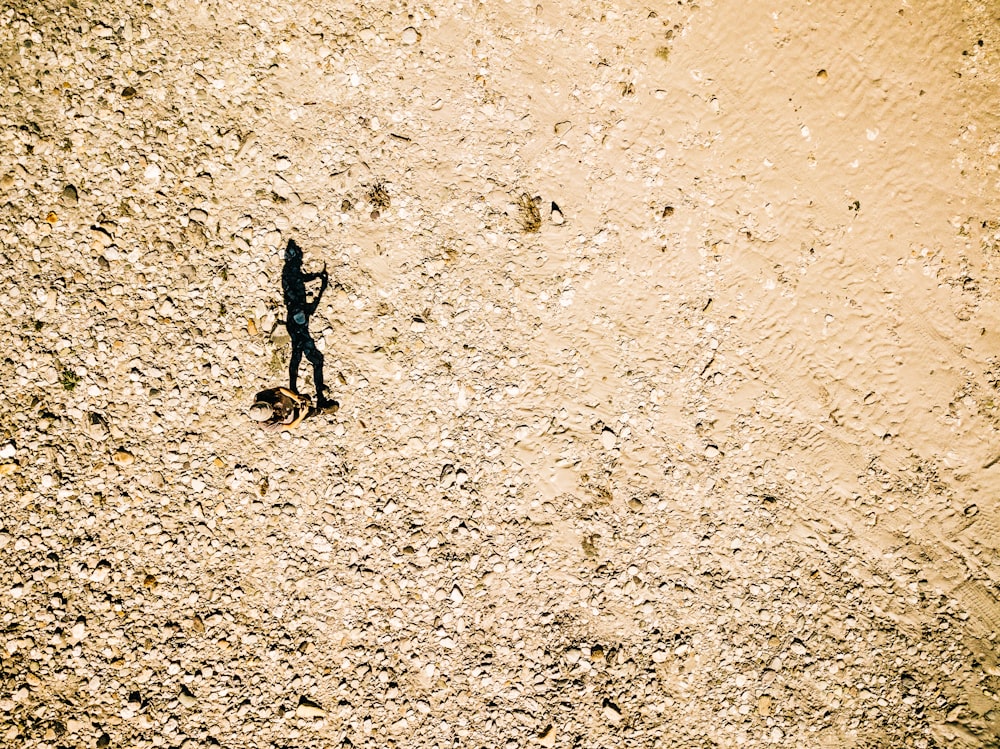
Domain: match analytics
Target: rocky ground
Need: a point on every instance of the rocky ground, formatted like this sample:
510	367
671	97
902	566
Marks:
665	338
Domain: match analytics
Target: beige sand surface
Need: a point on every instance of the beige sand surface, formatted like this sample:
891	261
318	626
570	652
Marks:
665	337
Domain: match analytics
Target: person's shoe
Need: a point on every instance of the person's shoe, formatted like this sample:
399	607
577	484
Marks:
327	406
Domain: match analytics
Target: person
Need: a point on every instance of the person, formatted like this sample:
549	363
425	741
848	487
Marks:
300	309
279	409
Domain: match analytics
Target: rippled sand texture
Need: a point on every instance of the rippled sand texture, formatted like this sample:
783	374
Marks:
666	343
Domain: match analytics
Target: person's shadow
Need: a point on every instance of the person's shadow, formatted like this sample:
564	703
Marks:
300	309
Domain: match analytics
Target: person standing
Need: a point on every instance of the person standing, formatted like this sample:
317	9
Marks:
300	309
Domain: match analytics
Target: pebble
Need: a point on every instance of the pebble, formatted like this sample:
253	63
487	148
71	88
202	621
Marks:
608	439
611	712
102	237
447	476
97	428
556	215
309	709
308	212
547	737
69	196
78	631
123	457
282	189
764	704
409	36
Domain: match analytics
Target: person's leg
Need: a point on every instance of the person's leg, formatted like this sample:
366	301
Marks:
316	359
293	367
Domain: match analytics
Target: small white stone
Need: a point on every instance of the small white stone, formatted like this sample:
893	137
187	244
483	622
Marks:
78	631
611	713
308	709
152	173
608	439
308	212
456	595
447	476
281	188
409	35
8	450
547	737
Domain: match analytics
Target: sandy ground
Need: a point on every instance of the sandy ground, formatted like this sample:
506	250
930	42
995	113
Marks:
665	337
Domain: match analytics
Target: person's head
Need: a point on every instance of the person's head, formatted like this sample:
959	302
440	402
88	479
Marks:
293	253
261	411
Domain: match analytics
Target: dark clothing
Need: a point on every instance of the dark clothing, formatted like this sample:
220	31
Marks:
300	309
